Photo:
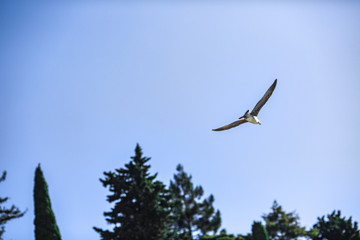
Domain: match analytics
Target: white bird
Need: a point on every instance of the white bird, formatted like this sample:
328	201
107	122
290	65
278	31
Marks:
251	116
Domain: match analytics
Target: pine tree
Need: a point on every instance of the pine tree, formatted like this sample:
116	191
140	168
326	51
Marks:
193	214
283	226
7	214
259	232
142	206
336	228
45	223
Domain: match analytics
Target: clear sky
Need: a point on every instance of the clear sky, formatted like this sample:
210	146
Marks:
83	82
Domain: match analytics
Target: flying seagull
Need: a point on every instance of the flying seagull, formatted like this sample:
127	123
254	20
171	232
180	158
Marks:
251	116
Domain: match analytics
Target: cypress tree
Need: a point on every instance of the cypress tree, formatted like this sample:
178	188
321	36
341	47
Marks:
259	232
45	223
7	214
142	206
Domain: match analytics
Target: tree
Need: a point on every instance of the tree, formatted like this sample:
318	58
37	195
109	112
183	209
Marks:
259	232
281	225
336	228
7	214
142	206
194	215
224	236
45	223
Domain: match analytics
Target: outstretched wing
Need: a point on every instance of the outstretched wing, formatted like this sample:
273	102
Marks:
264	99
231	125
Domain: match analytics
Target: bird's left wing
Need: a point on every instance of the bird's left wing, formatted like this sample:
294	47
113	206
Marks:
231	125
264	99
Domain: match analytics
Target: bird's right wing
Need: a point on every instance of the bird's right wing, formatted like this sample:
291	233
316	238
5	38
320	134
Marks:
231	125
264	99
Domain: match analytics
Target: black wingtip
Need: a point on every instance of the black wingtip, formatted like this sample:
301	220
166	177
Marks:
274	84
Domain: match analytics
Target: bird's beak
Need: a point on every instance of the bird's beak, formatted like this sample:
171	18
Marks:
259	123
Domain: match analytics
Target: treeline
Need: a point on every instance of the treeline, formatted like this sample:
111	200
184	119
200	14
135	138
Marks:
144	208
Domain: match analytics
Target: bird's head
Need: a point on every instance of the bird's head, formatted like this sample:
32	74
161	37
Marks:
259	123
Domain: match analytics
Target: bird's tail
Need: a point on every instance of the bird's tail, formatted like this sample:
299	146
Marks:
246	113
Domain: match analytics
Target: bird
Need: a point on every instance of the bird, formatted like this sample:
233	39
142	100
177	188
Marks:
251	117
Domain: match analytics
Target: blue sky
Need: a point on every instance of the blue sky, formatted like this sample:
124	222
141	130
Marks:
83	82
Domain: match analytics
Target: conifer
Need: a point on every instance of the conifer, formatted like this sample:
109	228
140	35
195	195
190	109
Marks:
45	223
259	232
142	205
7	214
194	214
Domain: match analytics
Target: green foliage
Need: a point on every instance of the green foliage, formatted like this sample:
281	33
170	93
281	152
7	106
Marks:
259	232
142	206
336	228
224	236
45	223
7	214
281	225
193	214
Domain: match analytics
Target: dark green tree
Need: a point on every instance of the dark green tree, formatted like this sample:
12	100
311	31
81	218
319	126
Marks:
194	214
259	232
7	214
224	236
283	226
335	227
45	223
142	206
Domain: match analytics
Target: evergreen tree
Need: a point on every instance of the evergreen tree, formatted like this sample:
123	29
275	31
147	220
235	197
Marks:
336	228
45	223
142	206
193	214
6	214
281	225
259	232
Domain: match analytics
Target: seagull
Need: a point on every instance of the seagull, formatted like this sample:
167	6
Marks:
251	116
